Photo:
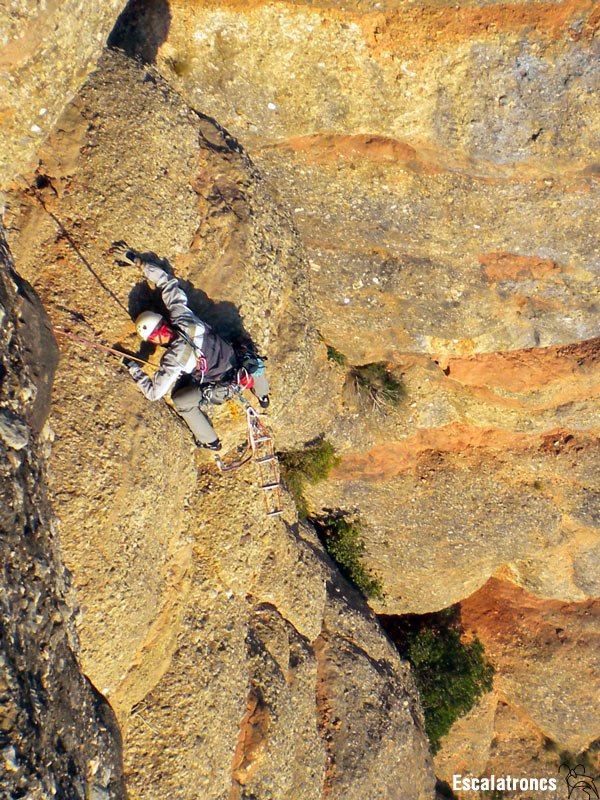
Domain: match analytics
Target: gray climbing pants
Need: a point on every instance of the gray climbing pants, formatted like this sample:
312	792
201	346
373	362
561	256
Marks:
187	402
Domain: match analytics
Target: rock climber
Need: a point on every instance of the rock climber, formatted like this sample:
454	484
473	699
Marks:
198	366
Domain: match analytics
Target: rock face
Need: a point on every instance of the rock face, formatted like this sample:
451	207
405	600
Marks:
58	736
183	580
417	147
464	503
447	205
441	168
544	652
487	80
46	49
548	650
422	191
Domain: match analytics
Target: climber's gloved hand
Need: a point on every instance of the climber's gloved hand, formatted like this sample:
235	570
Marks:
124	357
124	254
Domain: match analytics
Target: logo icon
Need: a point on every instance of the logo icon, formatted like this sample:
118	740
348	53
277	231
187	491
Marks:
580	784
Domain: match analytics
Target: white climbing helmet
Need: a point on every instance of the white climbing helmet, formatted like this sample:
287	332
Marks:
147	323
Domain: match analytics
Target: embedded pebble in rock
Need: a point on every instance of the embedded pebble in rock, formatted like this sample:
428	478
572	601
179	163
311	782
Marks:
13	430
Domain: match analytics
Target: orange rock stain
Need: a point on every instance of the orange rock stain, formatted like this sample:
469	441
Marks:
509	266
524	370
386	461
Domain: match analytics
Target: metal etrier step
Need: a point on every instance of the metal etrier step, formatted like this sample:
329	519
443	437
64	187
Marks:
266	462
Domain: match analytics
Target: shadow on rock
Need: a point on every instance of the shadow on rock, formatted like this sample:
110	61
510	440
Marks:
141	29
223	317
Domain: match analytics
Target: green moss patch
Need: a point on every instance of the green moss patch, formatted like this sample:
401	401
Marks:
343	540
336	356
311	464
451	673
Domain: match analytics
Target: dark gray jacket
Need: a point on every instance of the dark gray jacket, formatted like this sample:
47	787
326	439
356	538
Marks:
195	339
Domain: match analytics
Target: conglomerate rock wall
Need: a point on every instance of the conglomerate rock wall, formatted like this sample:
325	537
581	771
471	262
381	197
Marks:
423	192
58	736
441	164
46	49
237	659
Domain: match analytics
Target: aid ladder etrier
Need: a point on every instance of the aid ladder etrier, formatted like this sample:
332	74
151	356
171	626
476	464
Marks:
267	463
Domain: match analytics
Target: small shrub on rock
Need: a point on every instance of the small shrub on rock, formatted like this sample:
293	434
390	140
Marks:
336	356
311	464
343	541
375	388
451	673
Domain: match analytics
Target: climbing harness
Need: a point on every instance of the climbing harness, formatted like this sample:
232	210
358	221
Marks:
260	449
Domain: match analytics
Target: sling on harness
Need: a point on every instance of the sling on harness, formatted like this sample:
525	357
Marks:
201	362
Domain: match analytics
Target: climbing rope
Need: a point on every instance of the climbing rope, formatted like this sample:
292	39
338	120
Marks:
259	446
32	191
97	345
